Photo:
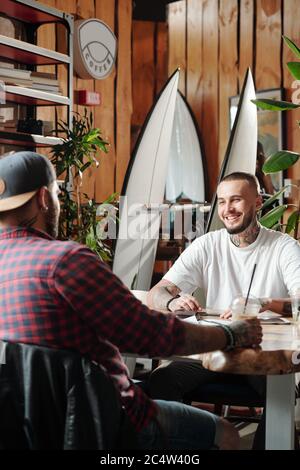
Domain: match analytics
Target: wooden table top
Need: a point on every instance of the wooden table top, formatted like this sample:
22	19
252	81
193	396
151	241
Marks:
279	354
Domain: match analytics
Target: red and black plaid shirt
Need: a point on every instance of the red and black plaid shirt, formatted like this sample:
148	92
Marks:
60	294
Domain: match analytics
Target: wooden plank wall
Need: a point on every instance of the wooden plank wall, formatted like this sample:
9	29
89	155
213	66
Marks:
149	69
177	41
113	116
126	95
143	73
212	41
224	38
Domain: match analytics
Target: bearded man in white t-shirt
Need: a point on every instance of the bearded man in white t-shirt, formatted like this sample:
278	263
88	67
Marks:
221	264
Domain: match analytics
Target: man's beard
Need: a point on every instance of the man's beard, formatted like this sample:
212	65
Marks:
243	226
51	219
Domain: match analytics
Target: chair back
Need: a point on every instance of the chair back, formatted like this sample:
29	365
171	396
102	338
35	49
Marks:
57	399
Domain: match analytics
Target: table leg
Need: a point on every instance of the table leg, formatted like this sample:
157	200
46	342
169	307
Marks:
280	412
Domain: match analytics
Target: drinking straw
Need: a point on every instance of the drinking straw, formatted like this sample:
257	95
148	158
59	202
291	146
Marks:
249	288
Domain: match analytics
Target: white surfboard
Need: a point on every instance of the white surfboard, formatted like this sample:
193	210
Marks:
144	186
242	146
186	168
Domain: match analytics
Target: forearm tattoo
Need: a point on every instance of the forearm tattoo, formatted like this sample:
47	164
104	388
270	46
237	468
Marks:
287	308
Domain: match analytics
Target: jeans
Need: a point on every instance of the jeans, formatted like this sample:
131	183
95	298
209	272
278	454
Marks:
179	426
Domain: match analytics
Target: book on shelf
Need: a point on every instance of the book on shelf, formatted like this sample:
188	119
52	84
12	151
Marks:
10	72
10	125
30	95
17	76
43	87
16	80
43	74
43	77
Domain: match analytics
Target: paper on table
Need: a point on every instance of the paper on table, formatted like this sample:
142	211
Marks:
271	318
198	319
268	315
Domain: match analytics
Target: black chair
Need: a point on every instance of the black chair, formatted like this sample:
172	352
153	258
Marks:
57	399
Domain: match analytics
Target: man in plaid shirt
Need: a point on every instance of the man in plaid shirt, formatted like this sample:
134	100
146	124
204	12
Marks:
61	295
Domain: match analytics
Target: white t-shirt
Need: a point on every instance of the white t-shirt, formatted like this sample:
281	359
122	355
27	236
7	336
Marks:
223	270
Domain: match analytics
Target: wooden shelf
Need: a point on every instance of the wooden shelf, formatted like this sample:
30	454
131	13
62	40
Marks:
32	97
33	14
31	11
20	51
27	140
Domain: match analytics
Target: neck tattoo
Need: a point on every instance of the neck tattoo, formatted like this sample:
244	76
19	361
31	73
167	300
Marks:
247	237
28	222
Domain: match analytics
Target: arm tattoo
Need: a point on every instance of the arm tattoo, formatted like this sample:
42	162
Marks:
287	308
163	294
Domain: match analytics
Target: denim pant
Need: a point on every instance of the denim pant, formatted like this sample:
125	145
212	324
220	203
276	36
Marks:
180	426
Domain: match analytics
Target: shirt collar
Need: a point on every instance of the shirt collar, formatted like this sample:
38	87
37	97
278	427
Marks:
23	232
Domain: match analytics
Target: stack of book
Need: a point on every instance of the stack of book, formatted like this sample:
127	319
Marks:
10	125
13	76
38	80
45	82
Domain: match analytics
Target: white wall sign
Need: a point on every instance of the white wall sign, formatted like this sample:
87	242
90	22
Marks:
95	49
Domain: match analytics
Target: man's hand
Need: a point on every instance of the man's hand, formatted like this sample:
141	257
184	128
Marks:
282	306
185	302
226	314
247	333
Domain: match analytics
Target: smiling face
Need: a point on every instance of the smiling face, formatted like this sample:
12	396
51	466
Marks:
238	202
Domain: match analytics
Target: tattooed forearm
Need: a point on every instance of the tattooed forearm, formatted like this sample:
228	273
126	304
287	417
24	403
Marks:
160	295
287	308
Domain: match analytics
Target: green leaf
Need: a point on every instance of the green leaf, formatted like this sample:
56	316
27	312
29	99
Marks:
292	221
294	68
280	161
292	46
271	218
112	198
273	105
276	196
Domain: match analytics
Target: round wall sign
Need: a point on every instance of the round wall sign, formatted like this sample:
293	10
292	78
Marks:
95	49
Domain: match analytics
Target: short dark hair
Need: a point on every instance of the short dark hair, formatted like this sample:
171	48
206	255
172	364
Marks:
243	176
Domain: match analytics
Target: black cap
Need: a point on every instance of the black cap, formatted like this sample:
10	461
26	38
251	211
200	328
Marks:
22	174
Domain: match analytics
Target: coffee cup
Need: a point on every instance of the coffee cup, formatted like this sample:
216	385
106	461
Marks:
242	308
295	301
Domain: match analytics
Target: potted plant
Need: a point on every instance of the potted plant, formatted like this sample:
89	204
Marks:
79	219
282	160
